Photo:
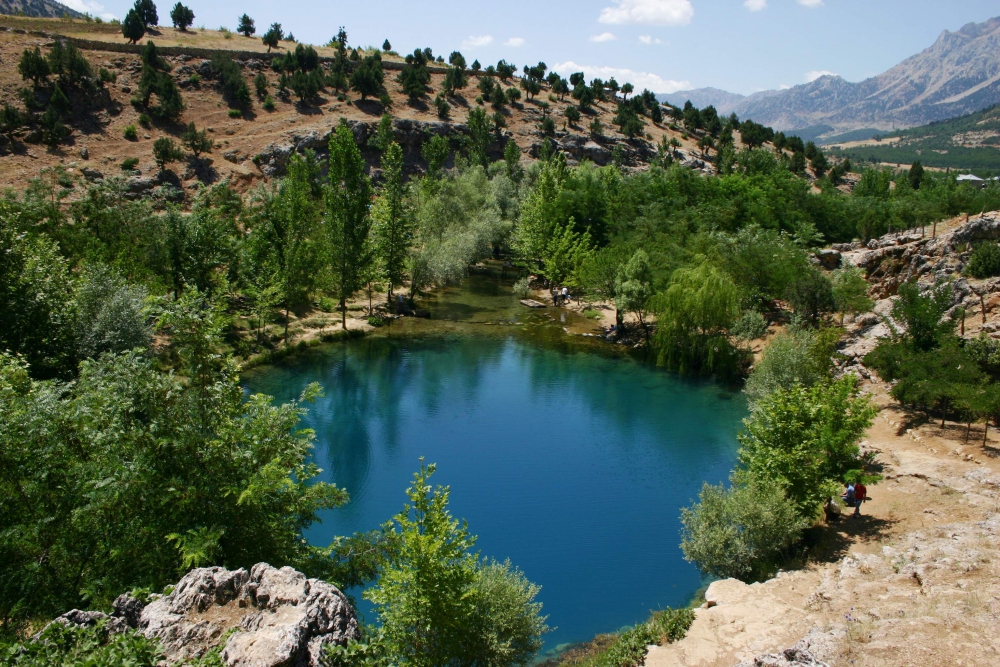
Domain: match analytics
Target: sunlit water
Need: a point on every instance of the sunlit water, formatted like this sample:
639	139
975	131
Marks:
572	464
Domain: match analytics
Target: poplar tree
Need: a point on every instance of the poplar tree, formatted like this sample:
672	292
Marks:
348	220
393	224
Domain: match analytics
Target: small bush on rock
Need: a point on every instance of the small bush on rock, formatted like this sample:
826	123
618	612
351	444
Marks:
984	261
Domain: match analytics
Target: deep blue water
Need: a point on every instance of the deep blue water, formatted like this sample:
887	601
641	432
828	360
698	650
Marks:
572	464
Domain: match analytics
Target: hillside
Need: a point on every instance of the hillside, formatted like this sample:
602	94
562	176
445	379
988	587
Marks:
970	142
255	146
37	9
958	74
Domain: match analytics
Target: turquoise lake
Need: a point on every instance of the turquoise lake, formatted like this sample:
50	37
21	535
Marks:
572	463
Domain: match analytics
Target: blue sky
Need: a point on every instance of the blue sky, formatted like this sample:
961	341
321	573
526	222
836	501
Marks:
666	45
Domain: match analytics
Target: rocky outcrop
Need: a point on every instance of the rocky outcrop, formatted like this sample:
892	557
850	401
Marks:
803	654
267	617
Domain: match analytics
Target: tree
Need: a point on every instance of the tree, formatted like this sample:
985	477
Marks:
348	219
367	80
11	120
627	90
811	294
435	152
512	157
850	291
246	26
133	28
386	46
260	84
635	285
198	142
572	114
111	314
146	9
273	35
480	132
740	532
804	441
797	357
182	17
599	275
166	151
393	227
33	66
916	174
36	302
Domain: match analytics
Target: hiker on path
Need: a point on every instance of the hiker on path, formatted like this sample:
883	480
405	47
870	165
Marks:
850	498
860	496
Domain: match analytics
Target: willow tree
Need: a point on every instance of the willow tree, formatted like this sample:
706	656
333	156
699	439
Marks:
694	315
347	217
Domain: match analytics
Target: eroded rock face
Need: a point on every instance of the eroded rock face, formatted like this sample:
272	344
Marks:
281	618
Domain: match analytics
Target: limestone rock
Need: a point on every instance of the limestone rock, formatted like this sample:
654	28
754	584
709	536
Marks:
282	619
85	619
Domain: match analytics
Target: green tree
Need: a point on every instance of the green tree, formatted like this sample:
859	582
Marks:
811	294
182	17
166	151
386	46
33	66
694	315
572	114
512	158
916	175
146	9
260	84
740	532
246	26
36	301
435	151
480	133
850	291
273	35
599	275
367	79
348	220
804	441
198	142
133	29
393	227
796	357
635	286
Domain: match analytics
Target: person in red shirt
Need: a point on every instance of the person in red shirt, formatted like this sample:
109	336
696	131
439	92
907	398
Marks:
860	495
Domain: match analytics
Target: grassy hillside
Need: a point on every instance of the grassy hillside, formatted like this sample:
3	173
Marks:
967	143
37	8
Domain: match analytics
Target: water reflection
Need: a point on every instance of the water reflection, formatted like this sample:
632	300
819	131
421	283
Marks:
573	464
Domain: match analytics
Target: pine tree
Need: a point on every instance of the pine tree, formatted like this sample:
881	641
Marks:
33	66
182	17
146	10
246	26
273	35
133	29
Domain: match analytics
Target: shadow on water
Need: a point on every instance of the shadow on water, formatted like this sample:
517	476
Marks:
565	454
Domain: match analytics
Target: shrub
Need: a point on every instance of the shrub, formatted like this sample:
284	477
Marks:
111	315
130	164
751	326
131	133
235	113
165	151
984	262
628	649
269	104
194	79
75	647
522	288
800	357
107	76
739	532
145	121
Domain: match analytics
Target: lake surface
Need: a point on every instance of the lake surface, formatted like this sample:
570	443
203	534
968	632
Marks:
572	464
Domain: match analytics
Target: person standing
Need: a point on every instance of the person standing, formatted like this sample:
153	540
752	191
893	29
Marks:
860	496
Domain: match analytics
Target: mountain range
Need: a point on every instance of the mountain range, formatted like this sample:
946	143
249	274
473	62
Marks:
958	74
46	9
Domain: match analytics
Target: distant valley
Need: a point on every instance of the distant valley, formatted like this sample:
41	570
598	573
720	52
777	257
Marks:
959	74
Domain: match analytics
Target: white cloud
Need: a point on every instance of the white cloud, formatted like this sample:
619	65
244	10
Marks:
89	7
815	74
649	12
603	37
811	3
474	41
638	79
755	5
649	39
514	42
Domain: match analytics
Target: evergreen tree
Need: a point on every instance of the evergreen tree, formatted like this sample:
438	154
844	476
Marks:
33	66
916	175
182	17
273	35
197	141
246	26
348	219
386	46
133	29
166	151
480	130
368	79
146	10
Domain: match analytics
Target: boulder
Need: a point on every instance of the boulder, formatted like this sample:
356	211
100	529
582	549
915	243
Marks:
85	619
829	258
281	618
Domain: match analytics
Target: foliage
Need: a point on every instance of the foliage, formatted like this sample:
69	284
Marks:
393	226
273	35
230	76
797	357
104	469
804	441
629	647
133	28
367	79
850	291
246	26
740	532
182	17
166	151
111	314
69	646
156	80
751	326
635	285
984	262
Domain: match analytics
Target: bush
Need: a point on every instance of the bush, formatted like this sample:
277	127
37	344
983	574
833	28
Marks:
69	646
145	120
522	288
984	262
269	104
130	164
111	315
796	357
739	532
629	648
131	133
751	326
107	76
235	113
